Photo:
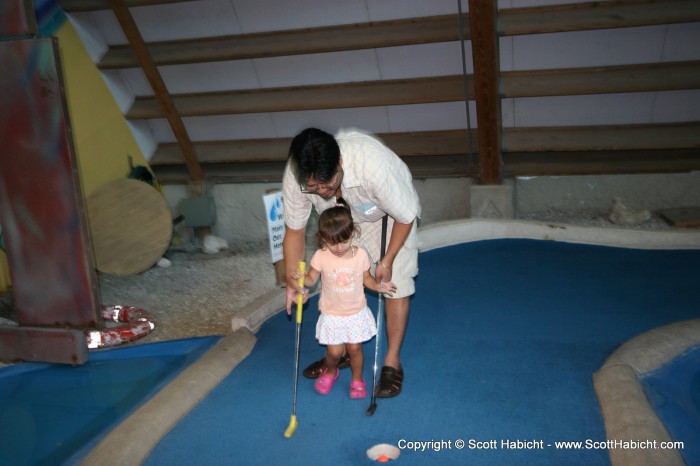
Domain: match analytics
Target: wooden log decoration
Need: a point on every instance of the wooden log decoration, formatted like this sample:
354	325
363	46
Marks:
130	224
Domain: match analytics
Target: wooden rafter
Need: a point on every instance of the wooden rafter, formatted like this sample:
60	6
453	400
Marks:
596	15
571	81
160	90
606	138
294	42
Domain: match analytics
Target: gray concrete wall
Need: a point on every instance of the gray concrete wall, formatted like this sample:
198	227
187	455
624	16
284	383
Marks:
241	214
595	193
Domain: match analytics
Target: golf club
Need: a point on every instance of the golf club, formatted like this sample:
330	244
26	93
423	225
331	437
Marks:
300	304
373	403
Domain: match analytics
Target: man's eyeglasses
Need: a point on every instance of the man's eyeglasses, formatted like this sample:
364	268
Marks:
324	186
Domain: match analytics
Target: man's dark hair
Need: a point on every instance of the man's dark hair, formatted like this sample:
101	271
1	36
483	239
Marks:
316	154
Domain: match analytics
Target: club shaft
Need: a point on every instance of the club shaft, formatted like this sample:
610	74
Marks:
296	370
373	403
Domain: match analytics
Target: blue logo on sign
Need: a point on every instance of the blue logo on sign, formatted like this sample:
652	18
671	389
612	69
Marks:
277	211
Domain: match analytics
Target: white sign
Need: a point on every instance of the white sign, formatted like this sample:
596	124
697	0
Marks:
274	213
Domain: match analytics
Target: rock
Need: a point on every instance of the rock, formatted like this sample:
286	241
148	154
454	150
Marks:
164	262
213	244
621	215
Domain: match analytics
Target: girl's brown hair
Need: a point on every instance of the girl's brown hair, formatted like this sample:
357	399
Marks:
335	225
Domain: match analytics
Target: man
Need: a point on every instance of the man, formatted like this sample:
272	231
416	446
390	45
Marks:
374	182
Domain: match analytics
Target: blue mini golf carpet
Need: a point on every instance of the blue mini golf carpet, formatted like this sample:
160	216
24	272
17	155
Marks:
503	339
54	414
674	392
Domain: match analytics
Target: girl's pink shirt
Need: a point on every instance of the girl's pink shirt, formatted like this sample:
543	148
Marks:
342	289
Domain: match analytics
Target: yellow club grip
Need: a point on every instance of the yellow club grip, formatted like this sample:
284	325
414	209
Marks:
300	297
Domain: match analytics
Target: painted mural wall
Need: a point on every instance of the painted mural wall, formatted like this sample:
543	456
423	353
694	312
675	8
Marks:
102	141
41	208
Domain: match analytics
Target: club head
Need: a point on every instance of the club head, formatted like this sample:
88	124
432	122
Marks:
293	424
372	408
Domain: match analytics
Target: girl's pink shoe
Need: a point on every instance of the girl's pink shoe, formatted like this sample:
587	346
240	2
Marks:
358	389
324	383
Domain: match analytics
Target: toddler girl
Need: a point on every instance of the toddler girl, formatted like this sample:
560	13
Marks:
345	321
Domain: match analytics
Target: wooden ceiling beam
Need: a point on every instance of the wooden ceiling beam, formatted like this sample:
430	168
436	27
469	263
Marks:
603	137
326	96
601	162
596	15
646	77
132	33
266	172
566	163
293	42
572	81
673	136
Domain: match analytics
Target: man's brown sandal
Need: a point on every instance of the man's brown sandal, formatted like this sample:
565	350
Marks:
315	369
390	382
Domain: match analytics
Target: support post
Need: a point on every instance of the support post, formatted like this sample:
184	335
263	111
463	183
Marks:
482	19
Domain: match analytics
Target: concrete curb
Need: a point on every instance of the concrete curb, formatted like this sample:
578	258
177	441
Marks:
259	311
439	235
626	411
628	416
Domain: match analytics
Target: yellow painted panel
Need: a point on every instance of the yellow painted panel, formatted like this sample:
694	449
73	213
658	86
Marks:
102	139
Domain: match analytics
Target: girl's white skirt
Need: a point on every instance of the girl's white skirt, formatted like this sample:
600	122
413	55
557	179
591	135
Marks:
355	328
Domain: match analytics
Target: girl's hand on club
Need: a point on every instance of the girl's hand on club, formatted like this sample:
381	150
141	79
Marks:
387	288
297	274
